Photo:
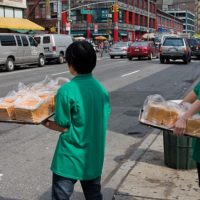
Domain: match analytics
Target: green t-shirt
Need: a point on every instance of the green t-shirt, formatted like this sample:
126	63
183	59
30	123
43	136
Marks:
196	141
82	106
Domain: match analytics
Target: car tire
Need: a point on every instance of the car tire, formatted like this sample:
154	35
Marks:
150	56
167	60
185	60
41	61
130	58
61	59
162	60
10	65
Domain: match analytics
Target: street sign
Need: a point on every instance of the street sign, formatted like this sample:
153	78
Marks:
84	12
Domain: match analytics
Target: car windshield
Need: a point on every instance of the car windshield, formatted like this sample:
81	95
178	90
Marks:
121	44
173	42
141	44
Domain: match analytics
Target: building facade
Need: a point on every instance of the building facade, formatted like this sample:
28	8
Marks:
197	16
167	23
187	17
130	20
12	8
120	19
176	5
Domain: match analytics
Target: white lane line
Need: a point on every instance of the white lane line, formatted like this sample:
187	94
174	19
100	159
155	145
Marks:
130	73
60	73
1	176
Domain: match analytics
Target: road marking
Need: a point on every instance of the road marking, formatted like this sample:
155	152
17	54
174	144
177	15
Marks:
60	73
1	176
130	73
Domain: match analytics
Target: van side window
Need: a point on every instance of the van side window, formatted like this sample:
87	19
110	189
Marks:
7	40
46	40
37	39
24	41
19	42
31	40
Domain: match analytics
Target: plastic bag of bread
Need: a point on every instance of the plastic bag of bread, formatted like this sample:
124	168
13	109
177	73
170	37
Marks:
161	112
193	126
48	96
31	108
61	80
7	106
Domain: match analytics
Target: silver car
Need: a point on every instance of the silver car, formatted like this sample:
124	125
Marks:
18	50
119	49
175	48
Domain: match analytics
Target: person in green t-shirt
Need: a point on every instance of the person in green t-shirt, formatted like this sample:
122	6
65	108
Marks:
82	110
180	126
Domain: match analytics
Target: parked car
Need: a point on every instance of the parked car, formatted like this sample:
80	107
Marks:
54	45
18	50
143	49
119	49
195	46
175	48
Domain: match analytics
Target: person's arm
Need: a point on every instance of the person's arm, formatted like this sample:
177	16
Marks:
190	97
180	125
53	126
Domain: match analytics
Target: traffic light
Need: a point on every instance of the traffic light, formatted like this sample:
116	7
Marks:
115	8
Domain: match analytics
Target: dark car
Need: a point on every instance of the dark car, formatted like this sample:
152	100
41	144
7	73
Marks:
143	49
195	46
193	43
175	48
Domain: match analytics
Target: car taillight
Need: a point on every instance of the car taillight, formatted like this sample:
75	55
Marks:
197	47
144	49
53	48
124	49
185	50
160	49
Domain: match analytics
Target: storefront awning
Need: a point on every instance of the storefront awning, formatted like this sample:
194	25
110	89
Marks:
18	23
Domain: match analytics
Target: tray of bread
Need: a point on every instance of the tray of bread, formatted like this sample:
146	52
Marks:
31	104
162	114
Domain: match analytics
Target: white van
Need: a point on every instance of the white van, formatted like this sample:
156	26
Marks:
18	50
55	45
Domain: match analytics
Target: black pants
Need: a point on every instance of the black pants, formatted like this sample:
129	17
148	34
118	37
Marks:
62	188
198	170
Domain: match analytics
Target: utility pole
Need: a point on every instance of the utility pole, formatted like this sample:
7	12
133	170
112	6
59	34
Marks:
69	16
59	10
148	2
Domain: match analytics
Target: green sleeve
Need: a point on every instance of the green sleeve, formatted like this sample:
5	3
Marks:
62	111
197	90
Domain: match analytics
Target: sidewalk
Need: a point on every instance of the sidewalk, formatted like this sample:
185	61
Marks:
148	177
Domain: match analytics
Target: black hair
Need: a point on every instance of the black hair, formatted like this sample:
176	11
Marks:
81	56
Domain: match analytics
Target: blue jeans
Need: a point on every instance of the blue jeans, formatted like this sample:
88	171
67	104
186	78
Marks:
62	188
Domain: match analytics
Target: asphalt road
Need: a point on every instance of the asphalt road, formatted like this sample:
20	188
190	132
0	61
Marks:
26	150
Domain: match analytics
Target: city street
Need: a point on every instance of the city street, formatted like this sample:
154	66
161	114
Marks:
26	150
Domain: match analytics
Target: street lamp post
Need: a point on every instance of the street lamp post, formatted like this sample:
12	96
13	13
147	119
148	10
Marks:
69	15
148	5
59	15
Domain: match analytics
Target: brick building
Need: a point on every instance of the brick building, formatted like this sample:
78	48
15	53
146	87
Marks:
126	19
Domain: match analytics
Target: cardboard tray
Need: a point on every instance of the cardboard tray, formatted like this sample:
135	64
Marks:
23	122
145	122
164	128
